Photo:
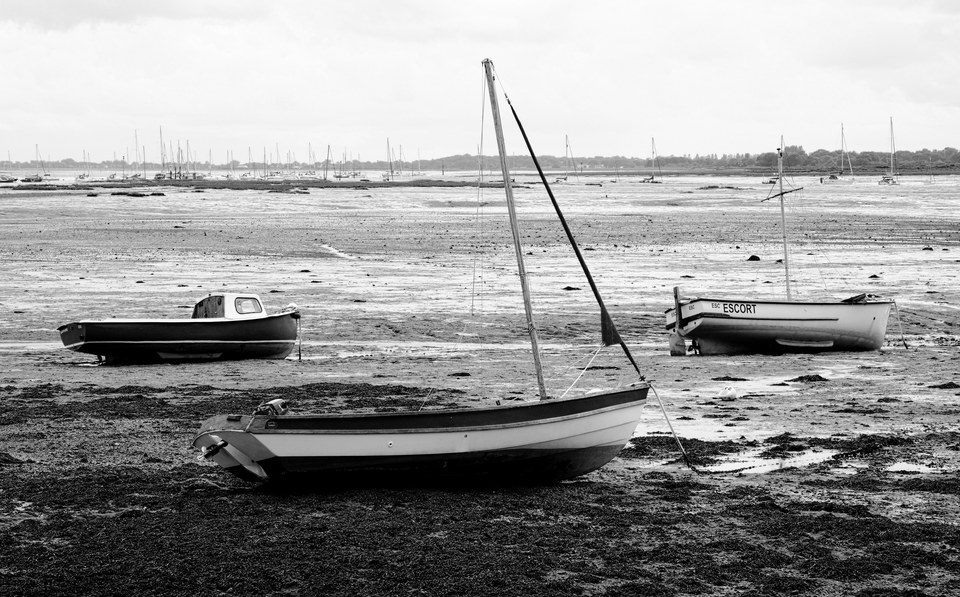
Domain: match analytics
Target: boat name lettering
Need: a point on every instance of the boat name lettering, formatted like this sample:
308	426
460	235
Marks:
737	308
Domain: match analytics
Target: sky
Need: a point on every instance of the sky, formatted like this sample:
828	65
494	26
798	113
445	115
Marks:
243	77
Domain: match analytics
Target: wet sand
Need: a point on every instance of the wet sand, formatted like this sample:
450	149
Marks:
833	474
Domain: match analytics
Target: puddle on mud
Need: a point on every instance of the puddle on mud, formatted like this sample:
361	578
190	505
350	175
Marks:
752	463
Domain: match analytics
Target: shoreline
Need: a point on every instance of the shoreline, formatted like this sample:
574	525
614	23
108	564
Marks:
439	181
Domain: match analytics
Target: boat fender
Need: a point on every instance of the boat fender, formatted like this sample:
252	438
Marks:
211	451
275	407
728	393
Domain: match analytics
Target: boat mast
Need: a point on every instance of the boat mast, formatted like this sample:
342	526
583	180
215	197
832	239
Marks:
893	149
514	227
783	217
163	160
656	160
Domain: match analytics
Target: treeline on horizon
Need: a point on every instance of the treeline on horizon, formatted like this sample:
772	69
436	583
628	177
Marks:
795	160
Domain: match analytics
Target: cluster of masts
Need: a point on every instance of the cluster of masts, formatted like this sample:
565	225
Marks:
180	163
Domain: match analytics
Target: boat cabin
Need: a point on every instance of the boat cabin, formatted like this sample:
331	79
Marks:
228	306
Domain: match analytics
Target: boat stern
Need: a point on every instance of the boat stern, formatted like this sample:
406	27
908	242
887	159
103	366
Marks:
223	440
72	335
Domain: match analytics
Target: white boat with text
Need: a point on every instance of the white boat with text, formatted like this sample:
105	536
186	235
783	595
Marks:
717	324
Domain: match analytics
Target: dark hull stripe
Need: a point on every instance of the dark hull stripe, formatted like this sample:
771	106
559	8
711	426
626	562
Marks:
271	337
527	412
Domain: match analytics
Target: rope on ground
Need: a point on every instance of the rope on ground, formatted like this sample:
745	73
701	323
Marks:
900	324
683	452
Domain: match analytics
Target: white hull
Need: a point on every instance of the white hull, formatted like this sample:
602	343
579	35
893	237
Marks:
732	326
837	180
535	441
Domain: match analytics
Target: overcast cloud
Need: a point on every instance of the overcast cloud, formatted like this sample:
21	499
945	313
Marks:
700	76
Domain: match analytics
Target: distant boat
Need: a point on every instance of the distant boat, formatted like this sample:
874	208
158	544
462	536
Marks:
720	324
656	177
41	174
4	177
891	177
536	441
571	164
224	326
840	177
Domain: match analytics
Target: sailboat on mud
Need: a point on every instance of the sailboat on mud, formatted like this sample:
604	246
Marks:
537	441
891	177
718	325
840	177
656	177
570	163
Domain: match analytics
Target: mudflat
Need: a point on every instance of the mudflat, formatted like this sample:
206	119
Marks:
820	474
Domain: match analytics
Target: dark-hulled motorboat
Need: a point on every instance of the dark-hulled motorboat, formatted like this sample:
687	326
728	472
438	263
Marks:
223	326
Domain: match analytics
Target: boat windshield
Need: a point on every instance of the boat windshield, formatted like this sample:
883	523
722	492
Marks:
246	305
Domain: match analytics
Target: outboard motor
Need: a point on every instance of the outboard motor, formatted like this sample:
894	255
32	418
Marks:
275	407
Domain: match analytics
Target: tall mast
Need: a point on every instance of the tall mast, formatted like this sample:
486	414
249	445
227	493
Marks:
389	160
163	161
893	148
783	217
514	227
656	160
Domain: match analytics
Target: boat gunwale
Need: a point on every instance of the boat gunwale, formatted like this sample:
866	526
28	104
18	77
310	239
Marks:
436	421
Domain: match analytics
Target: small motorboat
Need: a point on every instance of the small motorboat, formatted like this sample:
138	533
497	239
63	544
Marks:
224	326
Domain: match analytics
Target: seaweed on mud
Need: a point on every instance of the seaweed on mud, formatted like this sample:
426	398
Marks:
861	411
199	402
855	510
809	379
845	569
949	484
99	391
861	444
898	592
699	452
677	491
43	391
121	406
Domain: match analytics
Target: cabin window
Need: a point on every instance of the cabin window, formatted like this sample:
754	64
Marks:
246	305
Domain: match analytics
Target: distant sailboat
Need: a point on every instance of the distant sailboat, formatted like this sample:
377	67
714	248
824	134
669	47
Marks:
41	171
656	177
891	177
571	164
840	177
6	177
